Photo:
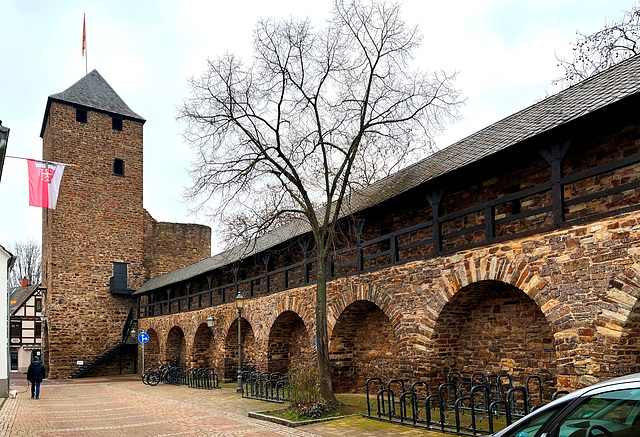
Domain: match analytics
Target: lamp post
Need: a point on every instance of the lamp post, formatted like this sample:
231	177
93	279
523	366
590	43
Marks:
210	322
4	137
239	305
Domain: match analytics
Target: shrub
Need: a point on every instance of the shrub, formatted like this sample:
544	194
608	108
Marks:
304	385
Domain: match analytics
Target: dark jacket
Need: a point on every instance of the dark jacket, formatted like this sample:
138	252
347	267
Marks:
36	372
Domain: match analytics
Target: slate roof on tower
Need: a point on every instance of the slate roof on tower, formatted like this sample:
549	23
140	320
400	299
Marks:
92	92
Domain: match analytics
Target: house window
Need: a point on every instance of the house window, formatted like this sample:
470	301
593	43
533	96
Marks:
116	123
118	167
38	330
38	305
81	115
16	329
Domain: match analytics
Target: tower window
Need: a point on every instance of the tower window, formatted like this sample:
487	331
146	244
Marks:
118	282
81	115
118	167
116	123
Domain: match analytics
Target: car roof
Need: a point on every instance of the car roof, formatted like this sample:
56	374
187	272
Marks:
601	386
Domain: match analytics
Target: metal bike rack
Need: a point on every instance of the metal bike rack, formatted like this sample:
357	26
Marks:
477	402
265	386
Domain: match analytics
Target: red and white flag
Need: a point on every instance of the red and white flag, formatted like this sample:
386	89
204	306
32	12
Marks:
84	34
44	183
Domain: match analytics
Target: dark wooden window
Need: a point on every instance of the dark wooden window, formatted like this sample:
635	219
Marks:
119	279
38	330
81	115
16	329
116	123
38	304
118	167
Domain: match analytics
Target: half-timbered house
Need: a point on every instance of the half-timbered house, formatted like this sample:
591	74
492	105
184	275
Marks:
25	326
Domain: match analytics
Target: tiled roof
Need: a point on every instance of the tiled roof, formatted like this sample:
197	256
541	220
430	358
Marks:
597	92
92	91
20	295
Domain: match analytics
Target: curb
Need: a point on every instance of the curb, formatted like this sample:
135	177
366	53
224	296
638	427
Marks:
294	424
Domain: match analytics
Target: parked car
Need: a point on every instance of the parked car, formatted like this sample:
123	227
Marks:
610	409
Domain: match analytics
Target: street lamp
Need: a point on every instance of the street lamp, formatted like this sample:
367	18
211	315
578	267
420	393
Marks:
239	305
4	137
210	322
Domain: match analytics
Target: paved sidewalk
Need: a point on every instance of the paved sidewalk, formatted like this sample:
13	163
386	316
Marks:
123	406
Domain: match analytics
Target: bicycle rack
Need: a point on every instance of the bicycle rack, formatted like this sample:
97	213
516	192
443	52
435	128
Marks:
476	402
265	386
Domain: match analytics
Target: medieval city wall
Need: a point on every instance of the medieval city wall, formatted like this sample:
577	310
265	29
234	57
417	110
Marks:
536	298
563	305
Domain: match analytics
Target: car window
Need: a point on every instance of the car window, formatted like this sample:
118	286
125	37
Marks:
614	413
529	426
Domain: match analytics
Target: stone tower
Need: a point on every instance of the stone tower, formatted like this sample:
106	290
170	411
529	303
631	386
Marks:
100	244
98	221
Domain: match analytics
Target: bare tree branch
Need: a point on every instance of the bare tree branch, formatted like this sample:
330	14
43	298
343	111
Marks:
28	263
317	114
600	50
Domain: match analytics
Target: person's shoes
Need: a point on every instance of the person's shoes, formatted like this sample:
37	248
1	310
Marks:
32	396
37	397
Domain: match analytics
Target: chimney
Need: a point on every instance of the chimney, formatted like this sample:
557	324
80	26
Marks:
24	282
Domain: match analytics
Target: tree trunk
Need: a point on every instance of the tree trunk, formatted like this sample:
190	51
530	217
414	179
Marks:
324	364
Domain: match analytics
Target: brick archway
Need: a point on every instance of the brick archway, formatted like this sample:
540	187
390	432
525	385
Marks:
290	343
352	292
492	327
202	351
249	348
176	346
362	344
152	354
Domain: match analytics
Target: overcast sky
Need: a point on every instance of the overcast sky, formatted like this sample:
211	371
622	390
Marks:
504	51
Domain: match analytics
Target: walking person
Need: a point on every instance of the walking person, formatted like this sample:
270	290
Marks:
35	375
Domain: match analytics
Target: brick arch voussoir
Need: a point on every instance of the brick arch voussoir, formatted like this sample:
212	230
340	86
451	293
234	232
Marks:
463	271
231	316
468	270
294	304
354	291
624	292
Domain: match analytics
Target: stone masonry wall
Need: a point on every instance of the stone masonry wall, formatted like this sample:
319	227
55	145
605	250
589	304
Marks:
170	246
584	281
574	287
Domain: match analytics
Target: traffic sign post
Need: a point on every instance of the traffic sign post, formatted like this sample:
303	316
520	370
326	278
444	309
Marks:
143	337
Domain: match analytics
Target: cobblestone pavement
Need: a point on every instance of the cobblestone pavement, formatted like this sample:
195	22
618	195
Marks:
96	407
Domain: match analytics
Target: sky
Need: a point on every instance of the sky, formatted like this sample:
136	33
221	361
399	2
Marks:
503	50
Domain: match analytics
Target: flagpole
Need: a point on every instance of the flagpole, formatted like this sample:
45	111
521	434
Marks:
85	52
42	160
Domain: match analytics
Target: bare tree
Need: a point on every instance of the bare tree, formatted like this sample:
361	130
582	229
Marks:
28	262
317	114
600	50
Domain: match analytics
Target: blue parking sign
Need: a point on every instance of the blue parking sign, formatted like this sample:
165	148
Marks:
143	337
